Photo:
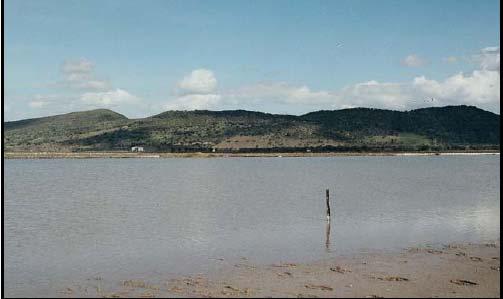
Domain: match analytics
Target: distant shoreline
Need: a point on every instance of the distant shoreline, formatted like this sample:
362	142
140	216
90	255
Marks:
97	155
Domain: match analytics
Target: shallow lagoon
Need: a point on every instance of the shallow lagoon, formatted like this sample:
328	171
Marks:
71	220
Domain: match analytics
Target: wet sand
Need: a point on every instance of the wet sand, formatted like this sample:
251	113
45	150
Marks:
455	270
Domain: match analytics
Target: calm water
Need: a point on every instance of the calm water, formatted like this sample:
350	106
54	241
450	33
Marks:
68	221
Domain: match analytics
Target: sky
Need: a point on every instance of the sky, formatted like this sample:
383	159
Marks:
141	58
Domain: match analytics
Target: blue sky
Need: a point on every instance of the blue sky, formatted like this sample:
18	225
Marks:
143	57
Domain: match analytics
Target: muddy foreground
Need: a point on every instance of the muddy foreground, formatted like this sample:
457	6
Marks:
467	270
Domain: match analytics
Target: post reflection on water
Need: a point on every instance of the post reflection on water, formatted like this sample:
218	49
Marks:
327	236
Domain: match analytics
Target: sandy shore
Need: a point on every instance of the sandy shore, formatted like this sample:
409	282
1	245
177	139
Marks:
88	155
455	270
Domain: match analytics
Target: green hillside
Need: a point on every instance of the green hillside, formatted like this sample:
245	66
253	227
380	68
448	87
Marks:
57	132
363	129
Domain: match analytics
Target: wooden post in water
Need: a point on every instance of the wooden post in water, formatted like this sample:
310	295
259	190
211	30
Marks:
328	205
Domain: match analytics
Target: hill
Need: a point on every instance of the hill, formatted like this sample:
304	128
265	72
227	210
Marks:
360	129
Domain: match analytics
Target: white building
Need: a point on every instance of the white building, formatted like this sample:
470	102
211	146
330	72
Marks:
137	149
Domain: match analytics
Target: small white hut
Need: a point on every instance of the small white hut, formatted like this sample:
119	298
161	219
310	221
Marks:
137	148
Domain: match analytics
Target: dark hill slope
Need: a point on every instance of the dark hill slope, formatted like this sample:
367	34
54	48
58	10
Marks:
456	124
450	124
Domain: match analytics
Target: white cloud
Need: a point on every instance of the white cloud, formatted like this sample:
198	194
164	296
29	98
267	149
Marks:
413	60
118	99
43	101
489	58
77	66
95	85
109	98
79	90
79	74
37	104
194	102
278	92
200	81
196	91
366	94
260	94
480	87
373	94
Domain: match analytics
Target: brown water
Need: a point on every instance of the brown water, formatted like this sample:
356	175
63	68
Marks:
69	221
